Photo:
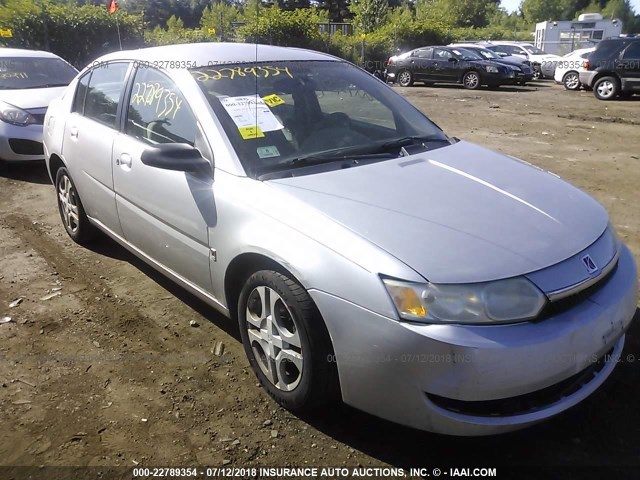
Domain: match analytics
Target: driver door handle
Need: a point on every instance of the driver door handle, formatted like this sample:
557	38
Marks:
124	160
73	132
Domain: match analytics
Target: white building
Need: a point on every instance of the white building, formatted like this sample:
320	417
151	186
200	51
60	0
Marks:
562	37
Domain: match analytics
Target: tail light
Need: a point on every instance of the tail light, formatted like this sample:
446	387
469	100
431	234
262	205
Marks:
585	64
390	61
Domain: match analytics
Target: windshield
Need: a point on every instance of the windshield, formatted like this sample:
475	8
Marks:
467	55
533	50
277	114
17	73
486	53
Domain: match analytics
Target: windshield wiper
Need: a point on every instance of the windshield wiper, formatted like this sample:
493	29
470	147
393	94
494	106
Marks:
401	142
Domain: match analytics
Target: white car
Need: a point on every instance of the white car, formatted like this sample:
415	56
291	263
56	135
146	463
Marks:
569	67
29	80
543	63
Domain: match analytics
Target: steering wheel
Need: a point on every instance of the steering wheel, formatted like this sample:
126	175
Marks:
335	120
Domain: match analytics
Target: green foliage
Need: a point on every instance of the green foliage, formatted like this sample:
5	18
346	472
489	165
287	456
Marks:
274	26
77	33
220	17
368	15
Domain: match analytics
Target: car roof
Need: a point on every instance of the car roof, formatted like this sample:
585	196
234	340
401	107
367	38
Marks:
23	52
214	53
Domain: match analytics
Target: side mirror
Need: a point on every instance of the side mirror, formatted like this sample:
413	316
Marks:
502	54
453	60
175	156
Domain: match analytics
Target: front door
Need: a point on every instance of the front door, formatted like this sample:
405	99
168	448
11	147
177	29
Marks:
164	213
629	66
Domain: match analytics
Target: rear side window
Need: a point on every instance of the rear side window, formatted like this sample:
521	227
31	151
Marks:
632	52
606	48
424	53
103	93
157	111
81	94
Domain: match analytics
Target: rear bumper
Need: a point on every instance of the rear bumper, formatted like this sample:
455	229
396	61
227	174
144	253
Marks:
587	77
400	371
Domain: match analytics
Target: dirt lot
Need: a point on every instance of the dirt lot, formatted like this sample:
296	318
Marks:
110	372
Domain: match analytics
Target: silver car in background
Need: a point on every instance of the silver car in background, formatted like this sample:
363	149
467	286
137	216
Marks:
366	255
29	80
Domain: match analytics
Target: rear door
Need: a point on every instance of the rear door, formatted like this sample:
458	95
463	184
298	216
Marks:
89	134
629	67
164	213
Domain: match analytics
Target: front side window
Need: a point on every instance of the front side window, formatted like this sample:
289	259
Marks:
424	53
103	93
440	54
18	73
157	111
278	114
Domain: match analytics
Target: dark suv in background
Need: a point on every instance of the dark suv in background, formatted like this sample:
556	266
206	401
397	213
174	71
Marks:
439	64
613	68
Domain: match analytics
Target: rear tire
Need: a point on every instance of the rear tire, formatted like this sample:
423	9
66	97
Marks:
74	218
606	88
286	341
405	78
4	167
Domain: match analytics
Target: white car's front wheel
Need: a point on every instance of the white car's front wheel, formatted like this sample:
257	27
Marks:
286	341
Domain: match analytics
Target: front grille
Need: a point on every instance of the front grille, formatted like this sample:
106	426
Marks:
26	147
527	403
567	303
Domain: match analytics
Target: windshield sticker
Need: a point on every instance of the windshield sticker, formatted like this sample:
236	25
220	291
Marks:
273	100
165	100
250	112
6	75
268	152
240	72
248	133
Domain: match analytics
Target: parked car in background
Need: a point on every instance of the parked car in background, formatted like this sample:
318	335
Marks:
613	68
569	67
544	64
365	254
29	80
439	64
521	66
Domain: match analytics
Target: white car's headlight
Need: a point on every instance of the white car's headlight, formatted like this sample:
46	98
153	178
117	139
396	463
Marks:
501	301
14	115
492	69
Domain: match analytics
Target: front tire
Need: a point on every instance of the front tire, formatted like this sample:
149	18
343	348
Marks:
74	218
286	341
471	80
571	81
405	78
606	88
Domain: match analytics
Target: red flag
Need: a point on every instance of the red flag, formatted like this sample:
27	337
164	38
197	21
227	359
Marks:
112	6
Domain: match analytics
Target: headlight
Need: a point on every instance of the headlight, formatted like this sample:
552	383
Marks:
502	301
15	115
491	69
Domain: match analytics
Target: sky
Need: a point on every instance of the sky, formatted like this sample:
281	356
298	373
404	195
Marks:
512	5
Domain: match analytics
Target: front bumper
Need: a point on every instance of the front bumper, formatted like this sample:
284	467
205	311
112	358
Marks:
395	370
586	77
21	143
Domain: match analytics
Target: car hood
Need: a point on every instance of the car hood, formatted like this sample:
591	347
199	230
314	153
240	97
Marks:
31	97
457	214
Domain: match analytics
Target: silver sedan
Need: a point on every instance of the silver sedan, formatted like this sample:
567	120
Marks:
366	255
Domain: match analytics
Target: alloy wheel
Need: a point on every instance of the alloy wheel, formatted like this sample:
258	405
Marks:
471	80
606	89
571	81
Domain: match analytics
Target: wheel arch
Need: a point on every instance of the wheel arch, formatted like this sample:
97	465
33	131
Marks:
55	163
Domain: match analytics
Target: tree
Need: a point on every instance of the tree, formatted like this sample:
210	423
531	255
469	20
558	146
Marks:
369	15
220	16
540	10
457	13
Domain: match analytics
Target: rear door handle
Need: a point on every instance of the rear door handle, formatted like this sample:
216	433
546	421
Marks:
124	160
